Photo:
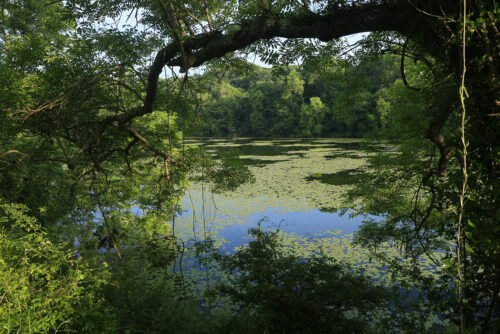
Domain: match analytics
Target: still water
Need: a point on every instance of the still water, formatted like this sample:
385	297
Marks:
300	188
300	185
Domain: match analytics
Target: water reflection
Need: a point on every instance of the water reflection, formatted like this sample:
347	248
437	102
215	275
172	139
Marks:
296	179
311	224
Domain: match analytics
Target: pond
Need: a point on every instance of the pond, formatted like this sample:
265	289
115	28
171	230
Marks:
300	185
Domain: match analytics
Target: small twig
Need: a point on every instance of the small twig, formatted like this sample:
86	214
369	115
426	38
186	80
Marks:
135	133
24	155
207	13
194	18
110	233
43	107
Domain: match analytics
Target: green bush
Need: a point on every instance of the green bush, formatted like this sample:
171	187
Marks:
278	292
43	286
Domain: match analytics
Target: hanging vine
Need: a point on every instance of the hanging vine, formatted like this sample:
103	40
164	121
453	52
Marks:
460	241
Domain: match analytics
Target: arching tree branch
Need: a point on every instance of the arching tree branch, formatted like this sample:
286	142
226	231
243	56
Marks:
196	50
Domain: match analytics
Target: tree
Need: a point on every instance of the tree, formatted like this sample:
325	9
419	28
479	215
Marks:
92	104
312	117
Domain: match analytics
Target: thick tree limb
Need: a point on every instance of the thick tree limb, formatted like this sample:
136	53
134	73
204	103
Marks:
402	67
206	46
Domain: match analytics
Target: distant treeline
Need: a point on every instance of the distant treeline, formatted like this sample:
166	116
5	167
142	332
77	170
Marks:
337	99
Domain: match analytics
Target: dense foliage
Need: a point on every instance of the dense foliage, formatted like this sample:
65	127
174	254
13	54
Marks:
277	291
93	163
336	99
44	287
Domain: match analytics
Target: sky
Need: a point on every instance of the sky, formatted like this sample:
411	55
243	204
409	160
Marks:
351	39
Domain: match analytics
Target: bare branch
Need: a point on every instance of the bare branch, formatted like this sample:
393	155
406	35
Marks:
135	133
207	13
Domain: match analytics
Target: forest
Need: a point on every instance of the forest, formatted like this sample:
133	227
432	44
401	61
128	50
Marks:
105	109
340	100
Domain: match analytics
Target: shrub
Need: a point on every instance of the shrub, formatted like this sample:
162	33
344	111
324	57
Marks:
41	283
278	292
